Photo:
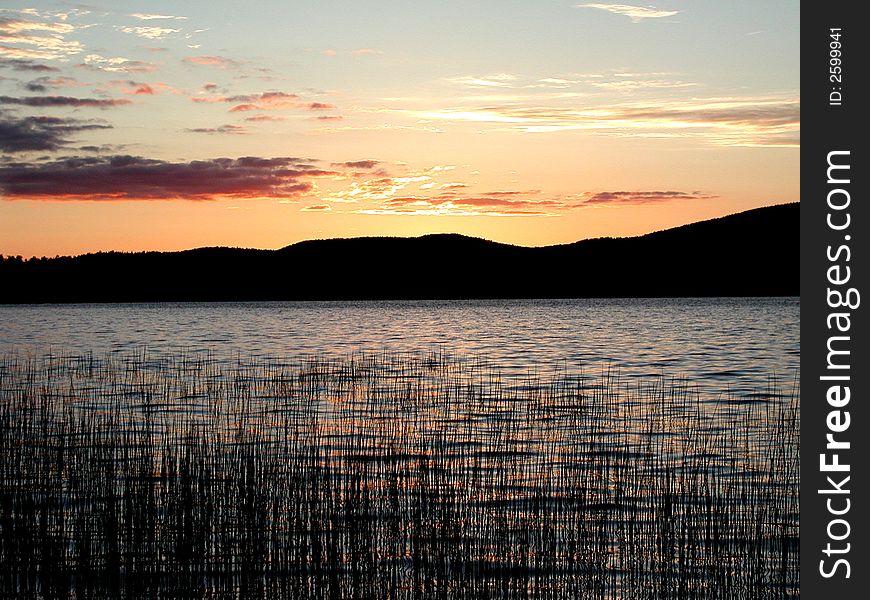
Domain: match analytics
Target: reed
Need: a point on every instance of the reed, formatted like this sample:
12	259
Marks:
387	476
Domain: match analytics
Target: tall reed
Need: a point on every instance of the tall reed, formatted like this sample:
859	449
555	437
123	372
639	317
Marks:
387	476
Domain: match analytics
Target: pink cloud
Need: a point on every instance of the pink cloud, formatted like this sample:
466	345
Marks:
220	62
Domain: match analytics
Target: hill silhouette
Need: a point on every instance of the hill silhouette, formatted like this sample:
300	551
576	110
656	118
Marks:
754	253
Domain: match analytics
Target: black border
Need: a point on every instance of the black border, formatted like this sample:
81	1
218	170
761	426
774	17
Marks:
826	128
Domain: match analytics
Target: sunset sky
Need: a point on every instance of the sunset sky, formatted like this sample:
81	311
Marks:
169	125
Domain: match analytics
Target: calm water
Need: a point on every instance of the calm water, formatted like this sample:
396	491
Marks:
726	345
397	475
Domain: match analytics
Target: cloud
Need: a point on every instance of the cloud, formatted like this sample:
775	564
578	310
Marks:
725	121
57	101
357	164
220	62
244	108
14	26
497	80
42	40
149	33
317	207
258	118
635	13
455	204
18	64
409	194
366	52
380	188
41	134
137	178
25	53
227	129
117	64
151	17
328	118
274	100
641	197
43	84
133	88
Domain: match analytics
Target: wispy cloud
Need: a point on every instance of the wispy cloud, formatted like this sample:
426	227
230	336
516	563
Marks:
223	129
138	178
221	62
452	204
117	64
274	100
259	118
456	202
725	121
496	80
641	197
40	40
149	33
152	17
366	52
635	13
16	26
378	188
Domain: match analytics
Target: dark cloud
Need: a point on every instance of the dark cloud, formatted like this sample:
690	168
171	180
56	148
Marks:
20	64
138	178
642	197
53	101
44	83
104	149
256	118
40	134
357	164
230	129
319	106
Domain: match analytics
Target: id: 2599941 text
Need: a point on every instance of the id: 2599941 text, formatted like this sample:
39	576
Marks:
835	69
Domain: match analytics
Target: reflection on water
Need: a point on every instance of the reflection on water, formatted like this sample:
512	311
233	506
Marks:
388	476
725	345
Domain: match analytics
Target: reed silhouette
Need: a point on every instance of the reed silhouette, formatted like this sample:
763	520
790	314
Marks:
387	476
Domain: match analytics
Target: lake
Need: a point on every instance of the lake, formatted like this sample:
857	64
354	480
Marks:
474	449
725	345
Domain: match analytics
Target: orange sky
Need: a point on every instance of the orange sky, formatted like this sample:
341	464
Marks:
530	123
